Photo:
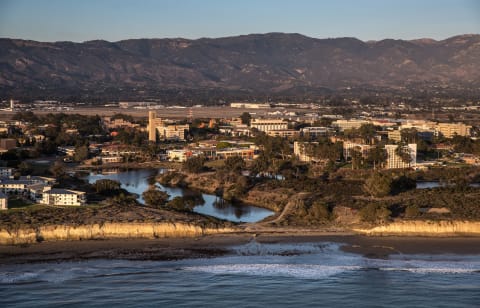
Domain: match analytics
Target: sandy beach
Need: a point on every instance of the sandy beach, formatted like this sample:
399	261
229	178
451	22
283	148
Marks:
217	245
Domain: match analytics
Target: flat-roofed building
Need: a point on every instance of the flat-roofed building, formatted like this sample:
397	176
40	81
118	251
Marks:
449	130
157	126
229	152
266	125
65	197
284	133
395	135
250	105
349	124
314	132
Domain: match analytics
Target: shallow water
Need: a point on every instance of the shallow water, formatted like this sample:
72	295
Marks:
254	275
136	181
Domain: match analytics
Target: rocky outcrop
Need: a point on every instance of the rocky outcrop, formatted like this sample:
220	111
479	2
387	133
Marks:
426	228
105	231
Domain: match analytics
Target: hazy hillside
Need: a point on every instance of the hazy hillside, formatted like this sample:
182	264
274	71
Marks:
271	63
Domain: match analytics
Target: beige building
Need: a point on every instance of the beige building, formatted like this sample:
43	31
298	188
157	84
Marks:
266	125
395	135
3	201
165	131
284	133
394	161
449	130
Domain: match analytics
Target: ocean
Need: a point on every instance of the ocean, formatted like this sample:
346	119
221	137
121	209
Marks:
253	275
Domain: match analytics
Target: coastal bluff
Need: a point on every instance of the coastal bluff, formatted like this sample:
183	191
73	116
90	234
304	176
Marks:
107	230
425	228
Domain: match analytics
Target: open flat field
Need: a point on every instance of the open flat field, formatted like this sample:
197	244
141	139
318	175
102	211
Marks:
199	112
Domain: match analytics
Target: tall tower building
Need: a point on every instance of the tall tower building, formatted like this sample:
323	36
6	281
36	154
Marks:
11	105
152	126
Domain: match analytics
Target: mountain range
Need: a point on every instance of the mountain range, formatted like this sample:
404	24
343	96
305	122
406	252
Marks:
269	63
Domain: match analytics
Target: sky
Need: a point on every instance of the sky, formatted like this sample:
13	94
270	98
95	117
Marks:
114	20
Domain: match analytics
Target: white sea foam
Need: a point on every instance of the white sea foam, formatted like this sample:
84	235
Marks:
306	271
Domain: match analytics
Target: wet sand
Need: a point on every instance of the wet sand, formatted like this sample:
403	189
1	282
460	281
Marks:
218	245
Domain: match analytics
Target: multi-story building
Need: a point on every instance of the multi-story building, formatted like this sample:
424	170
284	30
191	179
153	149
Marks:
229	152
284	133
395	161
449	130
395	135
314	132
68	197
349	124
266	125
165	131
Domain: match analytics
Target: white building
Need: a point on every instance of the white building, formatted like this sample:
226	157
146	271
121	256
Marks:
394	161
348	148
349	124
63	197
6	172
266	125
249	105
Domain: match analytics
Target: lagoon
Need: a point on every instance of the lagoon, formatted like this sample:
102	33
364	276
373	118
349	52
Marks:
136	181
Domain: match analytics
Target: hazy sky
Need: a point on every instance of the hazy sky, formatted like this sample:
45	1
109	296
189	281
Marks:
113	20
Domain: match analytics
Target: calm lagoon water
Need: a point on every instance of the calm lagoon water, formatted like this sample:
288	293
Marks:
136	181
253	275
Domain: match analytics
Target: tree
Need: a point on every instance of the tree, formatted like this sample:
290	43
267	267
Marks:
194	164
106	186
179	204
235	164
376	156
246	118
403	152
409	135
58	169
378	185
81	153
375	212
367	132
154	197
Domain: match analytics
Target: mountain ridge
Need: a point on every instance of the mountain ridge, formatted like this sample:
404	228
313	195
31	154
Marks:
270	63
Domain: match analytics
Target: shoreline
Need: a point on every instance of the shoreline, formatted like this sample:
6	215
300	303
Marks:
210	246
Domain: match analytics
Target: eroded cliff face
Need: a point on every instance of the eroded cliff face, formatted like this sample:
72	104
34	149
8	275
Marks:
426	228
105	231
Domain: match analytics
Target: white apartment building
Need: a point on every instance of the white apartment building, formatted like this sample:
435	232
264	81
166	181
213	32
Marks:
394	161
266	125
63	197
